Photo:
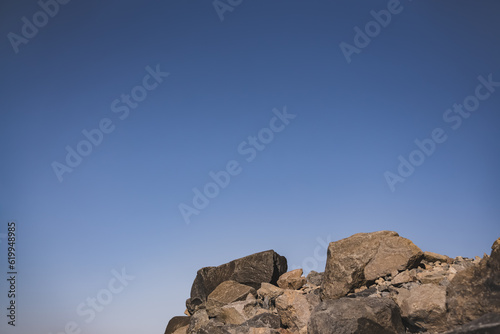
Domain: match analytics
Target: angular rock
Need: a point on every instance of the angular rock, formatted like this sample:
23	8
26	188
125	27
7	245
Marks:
198	321
487	324
251	270
356	315
405	277
177	322
181	330
315	278
269	290
238	312
294	310
423	307
225	293
435	257
292	280
475	291
364	257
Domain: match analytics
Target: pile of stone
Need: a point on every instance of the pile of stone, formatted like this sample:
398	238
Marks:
374	283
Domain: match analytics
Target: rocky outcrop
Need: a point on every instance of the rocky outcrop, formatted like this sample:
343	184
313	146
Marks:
373	283
251	270
364	257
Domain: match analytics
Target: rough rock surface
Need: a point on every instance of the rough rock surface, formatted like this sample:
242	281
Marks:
411	292
251	270
294	310
177	322
423	306
487	324
292	280
356	315
365	257
476	290
225	293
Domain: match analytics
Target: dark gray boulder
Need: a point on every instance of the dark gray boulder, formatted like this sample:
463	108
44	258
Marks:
252	270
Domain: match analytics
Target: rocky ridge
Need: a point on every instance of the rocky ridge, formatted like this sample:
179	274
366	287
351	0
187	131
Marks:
374	283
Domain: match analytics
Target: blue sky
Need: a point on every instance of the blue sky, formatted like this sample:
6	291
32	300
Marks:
321	177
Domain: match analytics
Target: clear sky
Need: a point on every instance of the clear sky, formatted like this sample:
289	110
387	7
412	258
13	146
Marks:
116	116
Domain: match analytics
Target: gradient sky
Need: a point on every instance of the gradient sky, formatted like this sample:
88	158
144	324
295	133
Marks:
320	179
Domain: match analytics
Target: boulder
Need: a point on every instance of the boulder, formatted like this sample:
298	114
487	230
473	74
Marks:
487	324
364	257
225	293
177	322
251	270
372	315
294	310
475	291
435	257
292	280
423	307
315	278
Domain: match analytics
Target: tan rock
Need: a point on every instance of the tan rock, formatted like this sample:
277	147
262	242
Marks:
225	293
435	257
424	306
236	313
269	290
294	310
405	277
364	257
181	330
292	280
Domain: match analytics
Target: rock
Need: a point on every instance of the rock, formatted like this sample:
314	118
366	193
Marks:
356	315
364	257
267	319
181	330
435	257
225	293
315	278
431	276
251	270
269	290
238	312
176	323
405	277
475	291
292	280
487	324
423	307
294	310
198	320
363	294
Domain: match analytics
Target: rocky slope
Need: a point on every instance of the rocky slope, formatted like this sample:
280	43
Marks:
374	283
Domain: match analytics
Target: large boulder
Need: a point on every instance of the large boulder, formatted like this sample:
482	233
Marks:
372	315
251	270
475	291
364	257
